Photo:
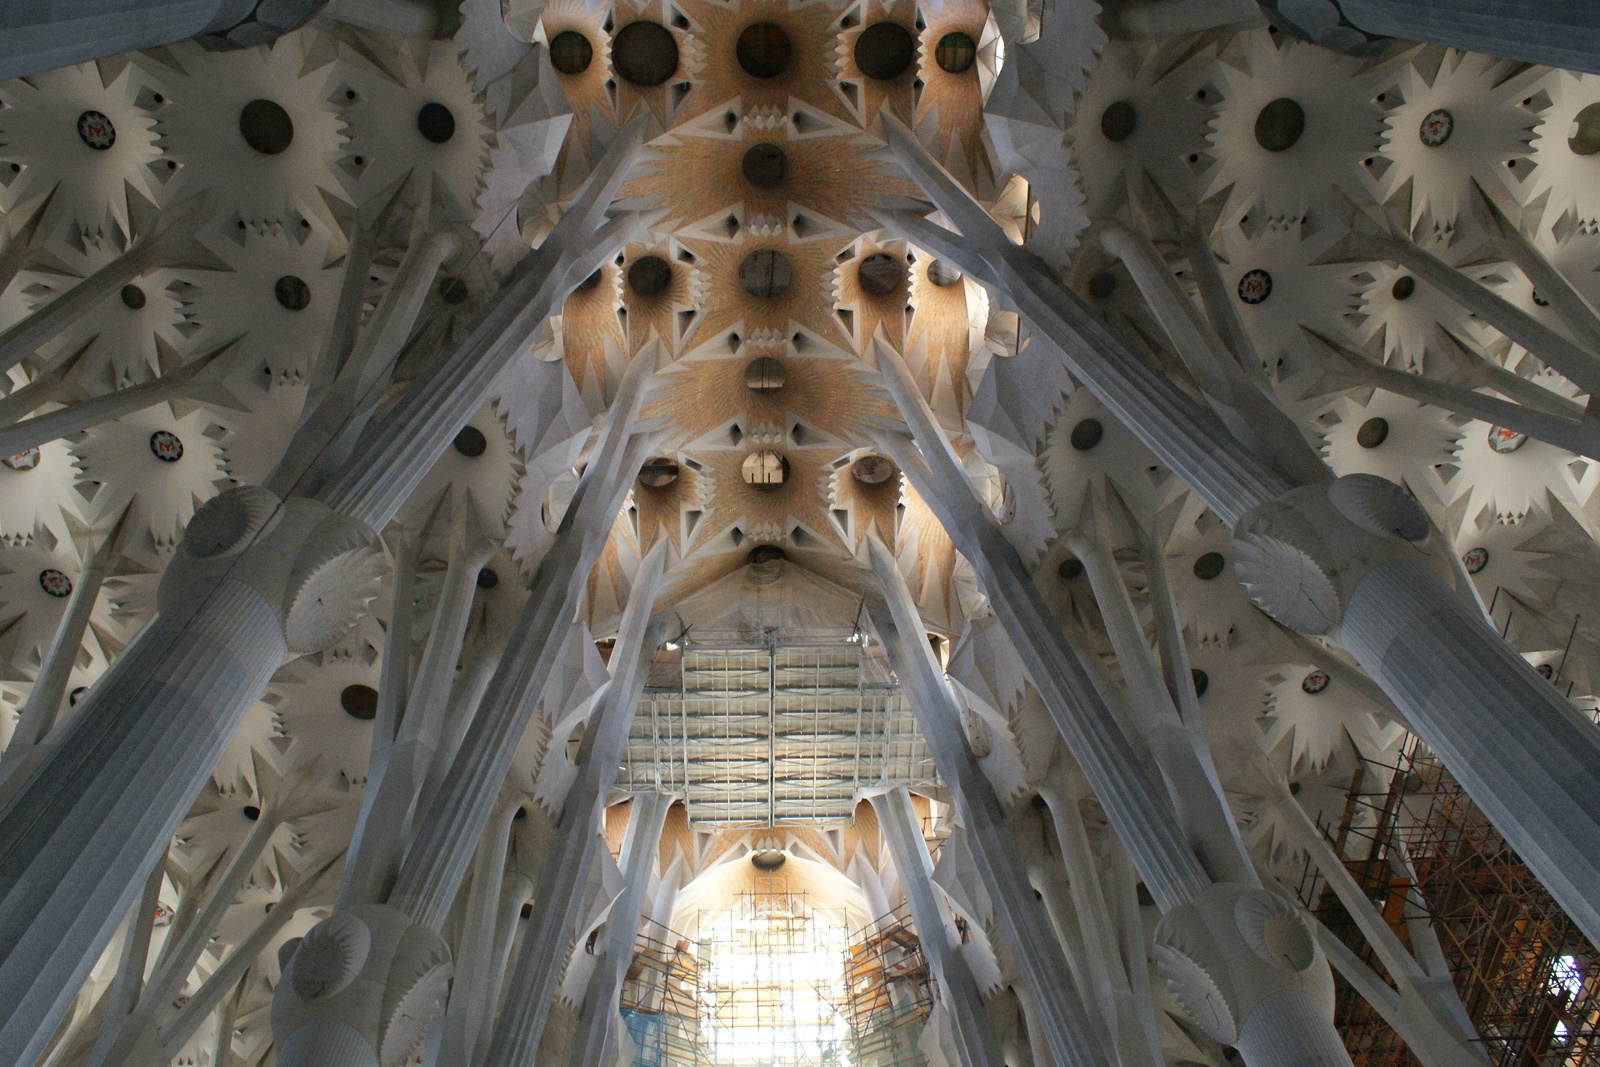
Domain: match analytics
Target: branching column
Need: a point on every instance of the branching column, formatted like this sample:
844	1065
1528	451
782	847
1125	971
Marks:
257	577
975	1042
1327	554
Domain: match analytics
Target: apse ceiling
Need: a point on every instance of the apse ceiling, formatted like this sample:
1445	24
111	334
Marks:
758	288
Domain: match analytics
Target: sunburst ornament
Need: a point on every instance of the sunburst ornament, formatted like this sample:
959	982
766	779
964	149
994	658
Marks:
419	115
256	132
1408	319
1294	124
1455	118
90	139
171	465
1566	150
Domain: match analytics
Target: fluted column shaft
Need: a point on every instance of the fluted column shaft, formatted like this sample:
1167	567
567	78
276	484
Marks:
1523	753
1558	33
975	1042
1057	1007
594	1043
537	966
77	841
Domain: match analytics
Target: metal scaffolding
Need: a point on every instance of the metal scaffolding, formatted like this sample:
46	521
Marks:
890	993
1529	979
661	1000
785	731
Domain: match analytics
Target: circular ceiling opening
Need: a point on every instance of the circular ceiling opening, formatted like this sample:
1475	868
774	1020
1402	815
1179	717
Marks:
1403	287
1087	434
359	701
658	473
884	51
487	579
767	859
1372	433
1202	682
942	274
764	166
1280	124
764	468
132	297
956	52
766	554
764	374
571	52
266	127
1586	141
649	275
1069	569
1208	566
873	469
1119	121
1102	284
764	273
590	283
763	50
644	53
436	123
470	442
880	274
292	293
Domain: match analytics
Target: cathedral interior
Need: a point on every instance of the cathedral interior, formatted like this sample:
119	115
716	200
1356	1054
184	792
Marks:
799	533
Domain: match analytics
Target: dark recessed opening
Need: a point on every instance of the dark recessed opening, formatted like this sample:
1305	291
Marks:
764	374
470	442
487	579
880	274
435	123
658	473
763	50
452	290
764	272
1280	124
649	275
1403	287
942	274
1202	681
884	51
589	283
1586	142
1102	284
359	701
251	812
266	127
956	52
292	293
1208	565
571	52
767	859
764	166
1119	121
766	554
1372	433
873	469
1087	434
132	297
644	53
1069	569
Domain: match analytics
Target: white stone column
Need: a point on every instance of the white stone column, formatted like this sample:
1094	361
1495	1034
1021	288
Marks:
171	243
1525	755
75	418
43	705
39	35
975	1042
1058	1008
594	1044
1558	33
537	967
